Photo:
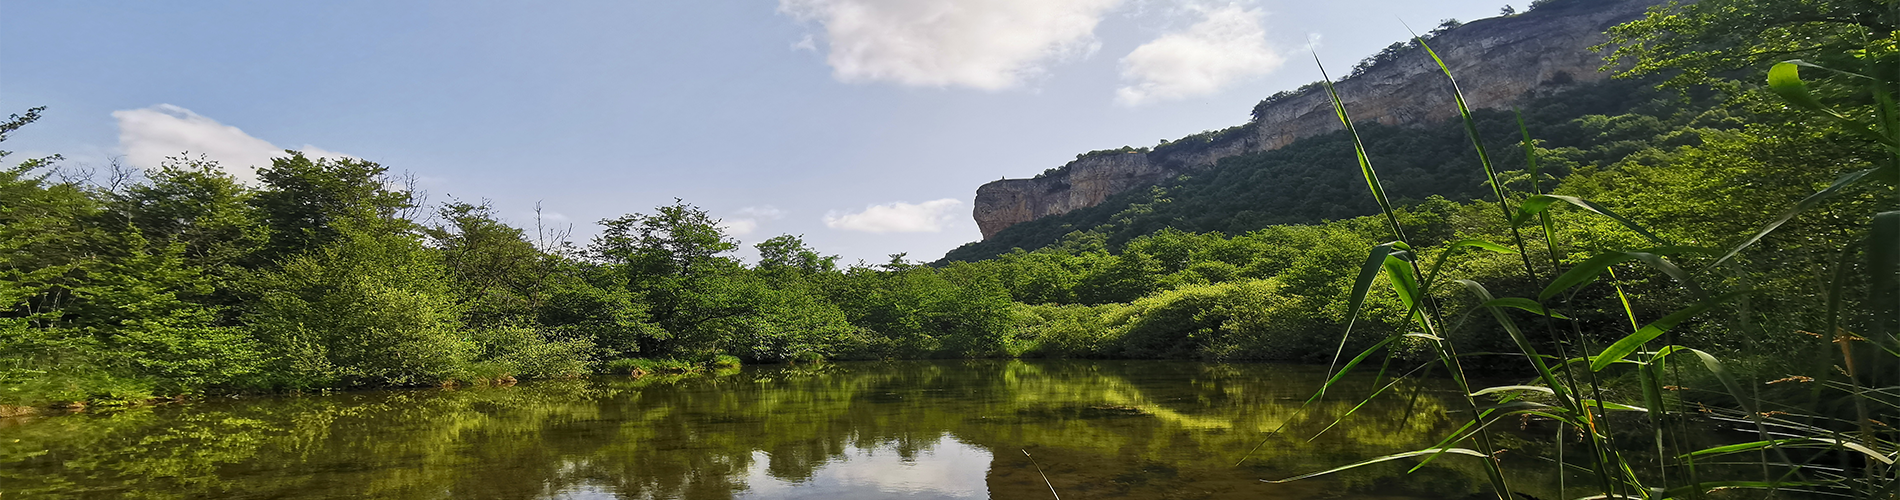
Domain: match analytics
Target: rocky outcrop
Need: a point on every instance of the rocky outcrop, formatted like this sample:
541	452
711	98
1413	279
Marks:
1498	61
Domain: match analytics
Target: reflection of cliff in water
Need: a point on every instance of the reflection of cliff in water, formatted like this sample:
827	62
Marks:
926	429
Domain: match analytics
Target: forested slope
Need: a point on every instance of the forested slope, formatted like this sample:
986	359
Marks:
1316	179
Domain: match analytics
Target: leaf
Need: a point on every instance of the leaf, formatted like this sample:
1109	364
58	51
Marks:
1740	447
1863	449
1399	272
1540	203
1728	380
1613	405
1811	201
1522	303
1375	260
1359	151
1632	342
1524	344
1785	80
1792	443
1387	458
1431	278
1502	388
1588	270
1708	486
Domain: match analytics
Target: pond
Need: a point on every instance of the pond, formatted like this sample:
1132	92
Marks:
907	429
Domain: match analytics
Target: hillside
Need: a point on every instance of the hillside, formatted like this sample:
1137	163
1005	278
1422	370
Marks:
1505	62
1316	179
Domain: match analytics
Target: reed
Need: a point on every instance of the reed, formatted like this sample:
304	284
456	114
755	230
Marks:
1832	441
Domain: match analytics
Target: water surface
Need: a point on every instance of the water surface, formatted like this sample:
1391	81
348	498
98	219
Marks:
914	429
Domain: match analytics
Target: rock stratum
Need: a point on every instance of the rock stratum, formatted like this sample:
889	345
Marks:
1498	62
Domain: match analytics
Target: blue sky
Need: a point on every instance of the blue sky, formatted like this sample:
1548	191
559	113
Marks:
864	125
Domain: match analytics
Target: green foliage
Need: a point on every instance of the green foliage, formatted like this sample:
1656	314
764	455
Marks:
1311	180
369	308
308	201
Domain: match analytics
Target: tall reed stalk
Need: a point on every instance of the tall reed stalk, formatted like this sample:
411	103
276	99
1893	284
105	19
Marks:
1796	448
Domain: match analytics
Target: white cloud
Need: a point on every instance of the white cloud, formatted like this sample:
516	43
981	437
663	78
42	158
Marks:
807	43
1228	45
749	219
897	217
984	44
739	227
148	135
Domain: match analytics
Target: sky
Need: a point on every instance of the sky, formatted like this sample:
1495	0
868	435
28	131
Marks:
863	125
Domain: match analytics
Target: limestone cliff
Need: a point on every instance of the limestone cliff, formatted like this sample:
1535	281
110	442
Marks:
1498	61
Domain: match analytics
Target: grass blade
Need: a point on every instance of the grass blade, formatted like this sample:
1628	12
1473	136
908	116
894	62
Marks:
1503	388
1629	344
1589	269
1431	277
1527	305
1841	183
1387	458
1785	80
1539	205
1375	260
1523	343
1359	151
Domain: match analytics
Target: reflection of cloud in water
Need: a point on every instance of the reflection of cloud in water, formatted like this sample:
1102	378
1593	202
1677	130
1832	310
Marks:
946	469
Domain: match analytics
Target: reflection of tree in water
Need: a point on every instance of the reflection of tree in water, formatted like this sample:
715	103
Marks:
1098	428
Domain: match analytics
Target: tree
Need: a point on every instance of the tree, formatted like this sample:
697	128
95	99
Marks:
791	252
673	260
1704	42
191	202
308	199
500	276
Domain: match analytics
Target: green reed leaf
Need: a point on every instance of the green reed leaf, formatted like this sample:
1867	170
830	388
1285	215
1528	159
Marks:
1399	273
1524	344
1629	344
1589	269
1709	486
1387	458
1740	447
1840	183
1431	277
1525	304
1375	260
1359	152
1504	388
1714	365
1539	204
1785	80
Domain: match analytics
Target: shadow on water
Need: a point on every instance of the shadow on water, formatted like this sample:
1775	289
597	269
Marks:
937	429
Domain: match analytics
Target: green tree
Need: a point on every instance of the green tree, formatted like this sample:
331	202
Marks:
500	276
674	261
788	252
307	200
369	308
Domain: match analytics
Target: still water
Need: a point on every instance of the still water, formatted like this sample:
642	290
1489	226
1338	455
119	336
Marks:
912	429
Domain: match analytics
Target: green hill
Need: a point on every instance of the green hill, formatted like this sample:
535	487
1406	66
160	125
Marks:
1317	179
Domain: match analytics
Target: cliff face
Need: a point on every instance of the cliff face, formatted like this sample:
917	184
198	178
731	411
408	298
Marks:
1498	61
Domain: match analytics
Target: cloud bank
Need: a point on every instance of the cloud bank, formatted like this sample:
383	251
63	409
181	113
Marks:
897	217
983	44
1228	45
148	135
